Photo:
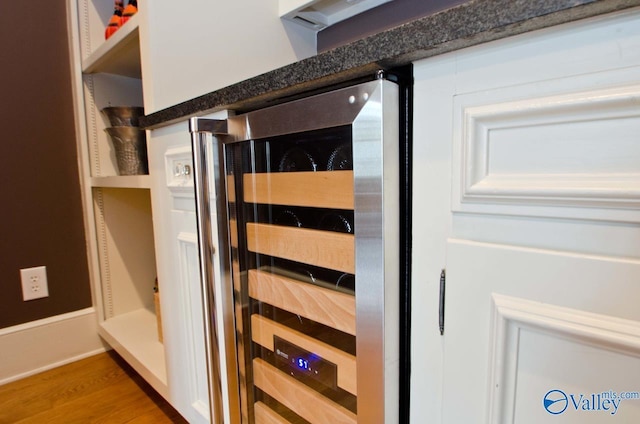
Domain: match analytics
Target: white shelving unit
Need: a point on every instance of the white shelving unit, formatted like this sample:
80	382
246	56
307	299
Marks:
118	208
134	337
124	181
119	55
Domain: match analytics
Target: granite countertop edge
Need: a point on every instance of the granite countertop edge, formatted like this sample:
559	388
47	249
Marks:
469	24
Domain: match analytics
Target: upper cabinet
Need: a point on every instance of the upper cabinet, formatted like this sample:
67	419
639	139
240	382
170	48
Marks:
200	46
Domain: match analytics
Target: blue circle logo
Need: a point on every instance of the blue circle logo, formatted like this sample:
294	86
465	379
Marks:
555	402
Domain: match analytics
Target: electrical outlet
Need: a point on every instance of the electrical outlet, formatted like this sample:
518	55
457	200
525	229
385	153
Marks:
34	283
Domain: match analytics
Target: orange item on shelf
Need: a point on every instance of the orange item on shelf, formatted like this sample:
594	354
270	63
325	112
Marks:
115	21
130	10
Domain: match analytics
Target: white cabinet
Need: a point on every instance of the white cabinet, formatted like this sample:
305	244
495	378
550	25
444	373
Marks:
197	47
526	158
118	216
170	163
177	252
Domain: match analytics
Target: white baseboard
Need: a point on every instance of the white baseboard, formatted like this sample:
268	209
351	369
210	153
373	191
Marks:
37	346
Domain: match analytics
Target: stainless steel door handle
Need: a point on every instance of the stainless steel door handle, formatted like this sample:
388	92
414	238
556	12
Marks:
198	128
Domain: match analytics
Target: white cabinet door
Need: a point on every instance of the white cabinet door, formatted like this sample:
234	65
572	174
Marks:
527	191
170	164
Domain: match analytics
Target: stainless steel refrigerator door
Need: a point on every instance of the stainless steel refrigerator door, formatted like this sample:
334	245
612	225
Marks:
308	349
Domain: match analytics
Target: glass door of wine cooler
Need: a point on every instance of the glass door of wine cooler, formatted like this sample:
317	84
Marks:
310	223
295	274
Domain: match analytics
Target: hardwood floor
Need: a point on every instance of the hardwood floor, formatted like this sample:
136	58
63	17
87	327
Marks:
99	389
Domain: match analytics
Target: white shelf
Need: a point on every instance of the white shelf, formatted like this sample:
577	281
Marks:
119	55
134	336
118	208
122	181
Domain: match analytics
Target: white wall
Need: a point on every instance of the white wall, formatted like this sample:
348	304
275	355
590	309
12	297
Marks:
193	48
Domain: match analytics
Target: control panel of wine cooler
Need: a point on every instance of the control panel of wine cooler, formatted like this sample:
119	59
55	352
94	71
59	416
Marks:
303	364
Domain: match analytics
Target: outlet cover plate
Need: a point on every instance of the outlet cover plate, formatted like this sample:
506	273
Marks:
34	283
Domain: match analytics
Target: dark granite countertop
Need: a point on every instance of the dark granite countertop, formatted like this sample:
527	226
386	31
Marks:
468	24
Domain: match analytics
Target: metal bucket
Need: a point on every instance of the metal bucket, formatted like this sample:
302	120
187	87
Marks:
123	116
130	144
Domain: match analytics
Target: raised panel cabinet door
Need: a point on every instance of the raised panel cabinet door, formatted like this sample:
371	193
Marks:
176	245
537	226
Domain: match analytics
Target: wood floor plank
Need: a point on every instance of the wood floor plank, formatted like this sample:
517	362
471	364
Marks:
57	387
99	389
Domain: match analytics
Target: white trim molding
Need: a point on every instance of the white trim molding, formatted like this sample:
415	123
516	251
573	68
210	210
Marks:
565	151
48	343
511	315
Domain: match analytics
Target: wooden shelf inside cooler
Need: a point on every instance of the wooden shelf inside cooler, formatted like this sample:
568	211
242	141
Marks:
298	397
231	189
330	189
263	330
331	308
326	249
233	233
265	415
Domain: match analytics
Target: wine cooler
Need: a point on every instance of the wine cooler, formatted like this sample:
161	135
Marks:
299	229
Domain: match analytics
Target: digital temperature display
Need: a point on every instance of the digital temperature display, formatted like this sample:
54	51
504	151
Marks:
303	364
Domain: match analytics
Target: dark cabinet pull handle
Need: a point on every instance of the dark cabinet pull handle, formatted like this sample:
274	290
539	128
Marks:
443	277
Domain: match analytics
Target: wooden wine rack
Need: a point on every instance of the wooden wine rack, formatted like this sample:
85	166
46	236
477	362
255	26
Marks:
319	248
328	307
265	415
264	329
296	396
332	308
330	190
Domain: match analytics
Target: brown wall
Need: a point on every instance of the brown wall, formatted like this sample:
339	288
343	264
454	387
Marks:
41	213
383	17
